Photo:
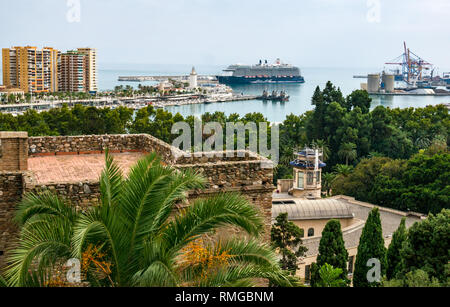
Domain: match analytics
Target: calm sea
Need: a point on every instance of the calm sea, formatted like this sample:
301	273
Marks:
301	94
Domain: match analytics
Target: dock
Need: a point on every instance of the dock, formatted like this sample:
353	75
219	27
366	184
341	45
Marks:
164	78
136	103
409	94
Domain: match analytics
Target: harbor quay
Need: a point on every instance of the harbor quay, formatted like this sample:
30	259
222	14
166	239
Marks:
137	102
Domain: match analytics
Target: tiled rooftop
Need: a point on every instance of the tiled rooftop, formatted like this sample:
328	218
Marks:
76	168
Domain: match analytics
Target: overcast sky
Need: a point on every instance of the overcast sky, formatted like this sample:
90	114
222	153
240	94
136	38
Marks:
309	33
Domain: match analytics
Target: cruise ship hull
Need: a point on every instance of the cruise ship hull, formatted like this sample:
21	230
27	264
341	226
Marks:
258	80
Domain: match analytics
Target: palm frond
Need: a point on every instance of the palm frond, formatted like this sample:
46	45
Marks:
101	227
177	190
247	251
149	195
250	274
111	181
3	283
158	274
206	215
247	262
46	203
41	244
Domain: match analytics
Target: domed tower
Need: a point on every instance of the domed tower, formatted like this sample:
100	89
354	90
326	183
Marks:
307	174
193	83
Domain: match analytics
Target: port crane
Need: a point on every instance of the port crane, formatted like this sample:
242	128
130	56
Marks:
412	65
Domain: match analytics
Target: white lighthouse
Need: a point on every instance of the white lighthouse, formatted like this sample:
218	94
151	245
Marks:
193	79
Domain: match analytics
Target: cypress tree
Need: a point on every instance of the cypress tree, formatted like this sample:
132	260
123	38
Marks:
393	256
314	130
332	251
371	246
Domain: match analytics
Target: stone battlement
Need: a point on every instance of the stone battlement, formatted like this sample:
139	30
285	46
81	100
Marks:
71	165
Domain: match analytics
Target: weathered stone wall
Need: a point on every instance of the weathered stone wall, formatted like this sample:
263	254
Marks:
168	153
259	196
81	144
221	156
82	194
233	174
243	173
89	144
11	190
246	175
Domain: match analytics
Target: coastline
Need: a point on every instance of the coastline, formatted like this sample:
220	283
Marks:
135	103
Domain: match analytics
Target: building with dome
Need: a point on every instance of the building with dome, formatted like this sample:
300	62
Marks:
301	198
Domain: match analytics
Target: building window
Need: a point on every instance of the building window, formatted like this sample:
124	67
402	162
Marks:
303	232
311	232
351	260
318	178
300	180
307	273
310	178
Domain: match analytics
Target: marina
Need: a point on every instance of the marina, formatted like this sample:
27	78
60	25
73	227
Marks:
180	78
135	103
243	99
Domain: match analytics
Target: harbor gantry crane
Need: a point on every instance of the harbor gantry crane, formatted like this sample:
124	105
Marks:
413	66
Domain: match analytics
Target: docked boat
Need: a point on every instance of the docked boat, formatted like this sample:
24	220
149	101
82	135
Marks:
261	73
283	97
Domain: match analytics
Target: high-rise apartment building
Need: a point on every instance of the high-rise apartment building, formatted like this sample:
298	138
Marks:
72	70
91	68
31	69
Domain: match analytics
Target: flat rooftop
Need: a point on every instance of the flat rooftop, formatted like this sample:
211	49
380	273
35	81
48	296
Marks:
76	168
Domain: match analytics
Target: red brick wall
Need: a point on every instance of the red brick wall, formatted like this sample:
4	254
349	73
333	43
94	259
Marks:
13	151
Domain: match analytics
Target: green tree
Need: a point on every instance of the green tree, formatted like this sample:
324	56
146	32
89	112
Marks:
316	124
332	251
130	233
12	98
414	279
360	99
322	146
343	170
371	246
418	184
428	247
330	277
348	152
393	257
287	240
327	182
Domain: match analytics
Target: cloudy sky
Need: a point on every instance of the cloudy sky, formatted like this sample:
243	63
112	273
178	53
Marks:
310	33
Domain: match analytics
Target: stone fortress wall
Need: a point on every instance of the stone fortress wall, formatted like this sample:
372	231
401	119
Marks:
242	172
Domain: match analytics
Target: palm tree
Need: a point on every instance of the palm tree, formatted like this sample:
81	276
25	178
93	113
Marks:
322	145
129	239
327	181
2	282
330	277
343	170
348	152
